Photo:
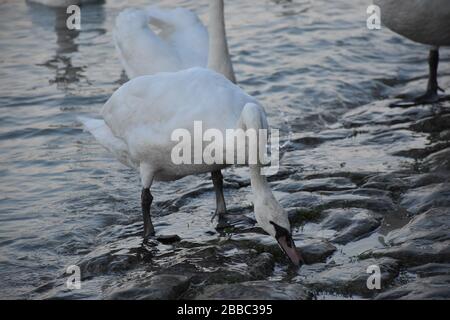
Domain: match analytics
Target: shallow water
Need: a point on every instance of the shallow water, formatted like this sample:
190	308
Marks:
64	199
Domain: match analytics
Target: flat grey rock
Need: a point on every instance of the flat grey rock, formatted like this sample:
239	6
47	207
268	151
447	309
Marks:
159	287
255	290
314	251
351	278
434	288
424	239
320	184
350	223
431	196
431	270
365	199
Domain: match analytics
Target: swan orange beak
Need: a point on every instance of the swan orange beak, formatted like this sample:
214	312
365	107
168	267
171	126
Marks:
288	246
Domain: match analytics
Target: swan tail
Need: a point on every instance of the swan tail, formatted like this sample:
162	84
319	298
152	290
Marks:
103	134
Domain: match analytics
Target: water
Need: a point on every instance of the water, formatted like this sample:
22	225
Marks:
64	198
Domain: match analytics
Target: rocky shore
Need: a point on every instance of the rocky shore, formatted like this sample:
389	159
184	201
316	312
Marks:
371	190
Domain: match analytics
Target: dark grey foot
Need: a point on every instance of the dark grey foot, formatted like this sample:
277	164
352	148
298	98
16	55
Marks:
146	202
222	224
431	95
149	234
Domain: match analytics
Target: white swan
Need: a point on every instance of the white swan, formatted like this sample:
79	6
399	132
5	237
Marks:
423	21
141	116
181	43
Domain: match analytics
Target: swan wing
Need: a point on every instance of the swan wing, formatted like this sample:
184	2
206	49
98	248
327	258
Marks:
182	30
140	50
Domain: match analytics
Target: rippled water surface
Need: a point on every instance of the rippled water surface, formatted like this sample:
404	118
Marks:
64	199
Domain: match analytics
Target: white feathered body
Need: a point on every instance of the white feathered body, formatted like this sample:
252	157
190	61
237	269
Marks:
423	21
141	116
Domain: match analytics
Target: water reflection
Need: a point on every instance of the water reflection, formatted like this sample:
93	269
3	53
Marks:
66	72
292	8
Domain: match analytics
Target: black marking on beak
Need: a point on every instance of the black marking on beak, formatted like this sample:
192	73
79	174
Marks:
282	232
287	244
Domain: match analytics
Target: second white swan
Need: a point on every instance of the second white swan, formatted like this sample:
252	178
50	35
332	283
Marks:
182	41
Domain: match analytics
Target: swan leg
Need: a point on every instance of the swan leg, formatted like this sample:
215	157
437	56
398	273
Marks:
146	202
431	95
146	173
221	208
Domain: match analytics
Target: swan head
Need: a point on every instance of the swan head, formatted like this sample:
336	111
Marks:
274	220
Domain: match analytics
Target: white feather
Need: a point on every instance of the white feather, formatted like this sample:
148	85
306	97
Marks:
181	43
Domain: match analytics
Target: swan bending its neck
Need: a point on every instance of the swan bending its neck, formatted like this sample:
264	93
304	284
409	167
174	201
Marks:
271	216
268	211
135	133
219	57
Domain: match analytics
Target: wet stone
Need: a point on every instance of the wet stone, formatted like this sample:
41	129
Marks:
158	287
105	260
425	179
432	124
388	181
433	288
315	138
431	269
301	199
226	264
262	266
351	223
324	184
424	239
351	278
379	113
438	161
444	135
255	290
366	199
314	251
421	199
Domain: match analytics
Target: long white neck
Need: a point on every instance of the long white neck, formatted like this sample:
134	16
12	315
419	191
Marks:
218	57
253	117
260	187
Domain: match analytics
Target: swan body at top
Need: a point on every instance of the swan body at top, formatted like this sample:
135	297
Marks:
64	3
181	43
422	21
141	116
